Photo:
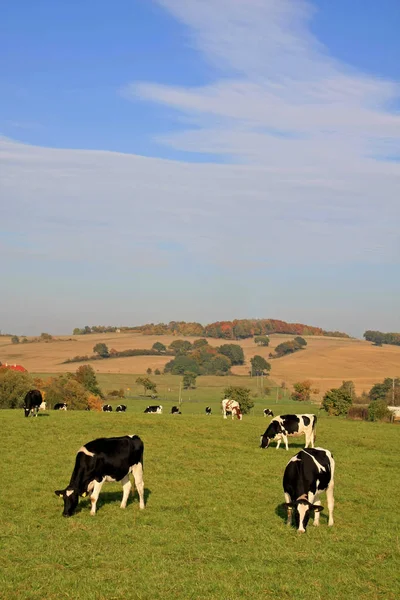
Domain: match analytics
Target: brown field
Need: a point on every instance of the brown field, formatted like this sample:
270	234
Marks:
326	361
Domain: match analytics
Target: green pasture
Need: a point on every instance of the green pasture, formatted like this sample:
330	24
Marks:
213	527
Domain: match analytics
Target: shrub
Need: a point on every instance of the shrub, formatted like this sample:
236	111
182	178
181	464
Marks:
116	393
65	388
157	372
336	402
15	339
94	403
378	411
303	390
300	341
13	387
358	413
241	395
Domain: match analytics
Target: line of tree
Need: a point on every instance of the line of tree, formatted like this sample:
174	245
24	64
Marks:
289	347
94	329
378	338
230	330
102	351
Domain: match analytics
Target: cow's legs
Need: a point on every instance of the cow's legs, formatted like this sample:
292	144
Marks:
126	486
278	443
286	441
331	502
137	472
289	510
95	495
316	513
224	411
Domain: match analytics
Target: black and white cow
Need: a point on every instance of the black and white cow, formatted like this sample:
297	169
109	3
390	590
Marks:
60	406
121	408
208	410
107	408
268	413
308	474
175	411
157	409
233	407
101	460
283	426
32	402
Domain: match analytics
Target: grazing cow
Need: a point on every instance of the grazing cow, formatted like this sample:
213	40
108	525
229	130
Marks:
208	410
121	408
60	406
107	408
32	402
105	459
43	406
283	426
268	413
308	474
233	407
154	409
175	411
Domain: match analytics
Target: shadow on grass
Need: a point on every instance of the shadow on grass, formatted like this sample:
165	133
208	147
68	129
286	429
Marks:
113	498
281	512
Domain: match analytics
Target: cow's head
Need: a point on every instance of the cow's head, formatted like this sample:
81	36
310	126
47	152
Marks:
239	414
270	434
302	512
71	499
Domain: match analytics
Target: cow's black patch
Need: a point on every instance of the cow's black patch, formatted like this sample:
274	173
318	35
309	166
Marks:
306	420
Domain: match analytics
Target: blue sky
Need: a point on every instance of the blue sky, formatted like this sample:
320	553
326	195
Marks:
180	159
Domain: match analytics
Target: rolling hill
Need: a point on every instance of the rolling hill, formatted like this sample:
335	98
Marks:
326	361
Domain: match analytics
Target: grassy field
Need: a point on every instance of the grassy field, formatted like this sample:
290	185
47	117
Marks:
326	361
213	527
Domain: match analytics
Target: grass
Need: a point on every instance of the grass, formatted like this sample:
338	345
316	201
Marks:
213	527
326	361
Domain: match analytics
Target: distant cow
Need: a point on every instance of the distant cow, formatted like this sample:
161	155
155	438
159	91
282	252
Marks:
121	408
105	459
60	406
175	411
308	474
32	402
154	409
233	407
107	408
283	426
208	410
268	413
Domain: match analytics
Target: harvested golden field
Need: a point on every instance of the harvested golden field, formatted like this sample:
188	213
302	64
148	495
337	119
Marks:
326	361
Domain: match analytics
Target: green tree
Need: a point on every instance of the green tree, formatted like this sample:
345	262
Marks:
101	349
241	395
15	339
261	340
336	402
234	352
13	387
147	384
86	376
24	340
157	372
180	346
159	347
349	388
218	365
300	341
46	337
181	364
380	391
200	343
149	371
259	365
189	381
76	331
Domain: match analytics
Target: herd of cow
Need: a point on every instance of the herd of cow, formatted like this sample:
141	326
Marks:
307	474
